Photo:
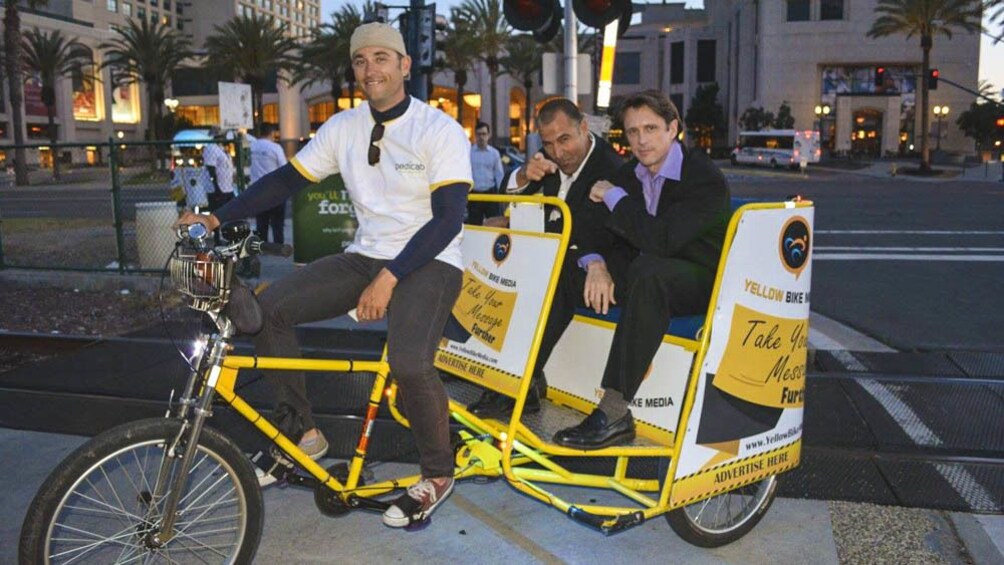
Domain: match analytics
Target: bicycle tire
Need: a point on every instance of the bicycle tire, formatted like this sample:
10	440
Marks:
693	531
111	455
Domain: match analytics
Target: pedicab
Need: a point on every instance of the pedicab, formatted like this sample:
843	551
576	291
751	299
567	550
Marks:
719	416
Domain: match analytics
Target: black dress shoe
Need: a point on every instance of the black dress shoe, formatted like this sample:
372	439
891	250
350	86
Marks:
596	433
498	406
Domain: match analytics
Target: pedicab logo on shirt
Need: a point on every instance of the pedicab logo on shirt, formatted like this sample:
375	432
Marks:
794	245
501	248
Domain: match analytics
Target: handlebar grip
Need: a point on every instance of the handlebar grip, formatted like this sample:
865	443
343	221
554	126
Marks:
280	249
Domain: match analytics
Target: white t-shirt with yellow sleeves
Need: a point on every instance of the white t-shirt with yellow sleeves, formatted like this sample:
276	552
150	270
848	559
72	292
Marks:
421	151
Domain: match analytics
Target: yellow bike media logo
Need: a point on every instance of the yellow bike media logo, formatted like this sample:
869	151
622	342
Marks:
501	248
794	245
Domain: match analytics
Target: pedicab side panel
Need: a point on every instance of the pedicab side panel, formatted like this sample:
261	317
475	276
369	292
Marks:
492	337
576	369
743	415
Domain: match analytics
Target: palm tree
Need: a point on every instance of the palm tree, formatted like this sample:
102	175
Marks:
321	61
252	49
925	18
459	55
492	30
12	53
523	62
50	56
997	7
149	54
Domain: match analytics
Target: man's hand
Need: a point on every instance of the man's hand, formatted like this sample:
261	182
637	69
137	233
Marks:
599	189
188	218
535	169
599	289
374	300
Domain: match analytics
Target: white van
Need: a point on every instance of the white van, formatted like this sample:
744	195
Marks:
777	148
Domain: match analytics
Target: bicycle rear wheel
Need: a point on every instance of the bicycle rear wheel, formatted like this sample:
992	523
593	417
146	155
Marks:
98	506
724	518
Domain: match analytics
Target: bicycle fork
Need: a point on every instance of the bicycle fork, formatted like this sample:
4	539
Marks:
201	411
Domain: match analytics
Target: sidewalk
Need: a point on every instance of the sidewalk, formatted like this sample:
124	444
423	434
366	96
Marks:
492	523
990	172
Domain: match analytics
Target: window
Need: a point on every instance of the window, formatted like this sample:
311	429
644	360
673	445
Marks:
166	20
113	5
85	92
676	63
831	10
153	3
706	60
141	13
628	68
167	4
798	10
127	9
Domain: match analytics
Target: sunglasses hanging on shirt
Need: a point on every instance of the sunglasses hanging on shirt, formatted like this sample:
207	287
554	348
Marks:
374	152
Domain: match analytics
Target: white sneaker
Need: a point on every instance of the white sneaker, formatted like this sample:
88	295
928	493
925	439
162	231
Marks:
418	503
315	447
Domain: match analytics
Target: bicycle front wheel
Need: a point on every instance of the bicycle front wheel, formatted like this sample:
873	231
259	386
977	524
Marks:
724	518
100	503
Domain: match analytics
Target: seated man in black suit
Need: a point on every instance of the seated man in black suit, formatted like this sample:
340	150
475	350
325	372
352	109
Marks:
596	261
673	205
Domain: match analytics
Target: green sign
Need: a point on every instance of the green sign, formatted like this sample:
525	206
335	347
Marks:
324	220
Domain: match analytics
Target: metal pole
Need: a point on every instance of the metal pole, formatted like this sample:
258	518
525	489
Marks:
417	86
571	53
113	161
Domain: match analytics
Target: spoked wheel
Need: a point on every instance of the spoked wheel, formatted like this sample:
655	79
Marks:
99	505
723	519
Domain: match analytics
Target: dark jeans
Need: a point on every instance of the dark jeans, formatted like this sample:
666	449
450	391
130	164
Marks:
657	289
478	211
274	218
418	310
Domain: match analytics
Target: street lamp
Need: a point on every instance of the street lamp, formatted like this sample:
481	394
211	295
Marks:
172	104
940	112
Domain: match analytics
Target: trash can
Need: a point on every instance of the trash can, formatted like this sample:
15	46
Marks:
154	237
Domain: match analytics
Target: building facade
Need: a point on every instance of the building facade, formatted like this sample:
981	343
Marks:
808	54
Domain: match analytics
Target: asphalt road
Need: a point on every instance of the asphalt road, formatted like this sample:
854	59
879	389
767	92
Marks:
918	265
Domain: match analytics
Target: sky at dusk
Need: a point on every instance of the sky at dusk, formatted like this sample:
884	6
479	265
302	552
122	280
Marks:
991	56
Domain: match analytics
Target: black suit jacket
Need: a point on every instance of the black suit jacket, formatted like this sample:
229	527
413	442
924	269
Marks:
589	232
691	218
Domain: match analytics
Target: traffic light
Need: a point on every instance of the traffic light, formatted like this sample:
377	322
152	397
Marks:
932	79
879	76
598	13
532	15
442	24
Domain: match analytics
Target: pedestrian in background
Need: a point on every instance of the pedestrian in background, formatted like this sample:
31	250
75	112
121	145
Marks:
486	165
267	156
220	166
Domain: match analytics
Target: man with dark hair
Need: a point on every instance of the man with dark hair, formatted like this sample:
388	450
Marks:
596	260
486	166
673	205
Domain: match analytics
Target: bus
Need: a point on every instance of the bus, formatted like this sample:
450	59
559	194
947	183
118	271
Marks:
777	148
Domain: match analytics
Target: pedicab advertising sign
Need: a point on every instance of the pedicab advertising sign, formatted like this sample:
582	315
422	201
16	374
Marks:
324	220
490	333
746	420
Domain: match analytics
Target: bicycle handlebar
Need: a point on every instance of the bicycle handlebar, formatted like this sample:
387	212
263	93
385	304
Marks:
258	246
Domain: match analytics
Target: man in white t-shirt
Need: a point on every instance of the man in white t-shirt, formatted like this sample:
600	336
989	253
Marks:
407	170
267	156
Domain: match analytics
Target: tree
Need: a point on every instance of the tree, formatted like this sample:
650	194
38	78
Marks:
926	19
784	119
492	30
321	61
979	122
149	54
755	119
459	55
705	116
252	49
523	62
997	17
50	56
12	54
